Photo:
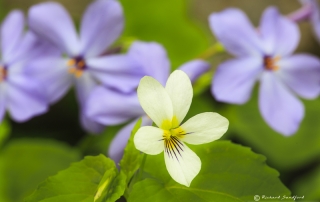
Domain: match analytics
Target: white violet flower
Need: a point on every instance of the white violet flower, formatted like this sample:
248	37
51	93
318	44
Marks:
167	106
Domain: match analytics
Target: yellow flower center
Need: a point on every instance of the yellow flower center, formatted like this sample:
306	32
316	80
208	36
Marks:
172	143
175	132
77	66
168	124
270	63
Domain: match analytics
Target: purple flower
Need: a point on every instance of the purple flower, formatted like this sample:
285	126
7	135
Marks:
305	12
109	107
265	55
308	11
85	64
21	94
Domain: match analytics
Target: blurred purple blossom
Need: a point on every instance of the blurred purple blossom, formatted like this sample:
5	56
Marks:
265	55
21	94
305	12
309	11
109	107
84	63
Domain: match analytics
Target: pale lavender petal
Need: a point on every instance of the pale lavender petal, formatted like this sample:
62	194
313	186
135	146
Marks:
280	35
101	25
3	100
52	72
90	125
315	18
278	106
26	98
32	47
35	47
269	29
301	73
152	58
233	29
234	79
120	141
84	86
11	34
110	107
303	13
195	68
21	51
116	71
51	21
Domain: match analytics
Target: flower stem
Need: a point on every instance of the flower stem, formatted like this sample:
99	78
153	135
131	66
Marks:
142	166
137	177
214	49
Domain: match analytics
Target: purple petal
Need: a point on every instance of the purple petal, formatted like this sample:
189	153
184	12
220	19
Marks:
3	100
90	125
315	18
52	22
31	47
279	108
101	25
110	70
84	86
152	58
120	141
304	12
52	72
234	79
195	68
233	29
301	73
11	34
110	107
280	35
26	98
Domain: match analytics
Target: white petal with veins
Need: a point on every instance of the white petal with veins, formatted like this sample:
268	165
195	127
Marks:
183	166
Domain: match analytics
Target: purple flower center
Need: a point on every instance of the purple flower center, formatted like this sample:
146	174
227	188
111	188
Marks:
3	73
77	66
269	63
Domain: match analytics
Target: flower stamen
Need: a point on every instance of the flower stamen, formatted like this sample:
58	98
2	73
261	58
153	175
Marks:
3	73
77	66
270	63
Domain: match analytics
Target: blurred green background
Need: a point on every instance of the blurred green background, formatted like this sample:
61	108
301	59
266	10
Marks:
48	143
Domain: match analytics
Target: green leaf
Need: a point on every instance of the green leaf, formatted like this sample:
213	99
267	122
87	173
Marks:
92	179
27	162
111	187
166	22
4	132
308	185
131	159
282	152
229	172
